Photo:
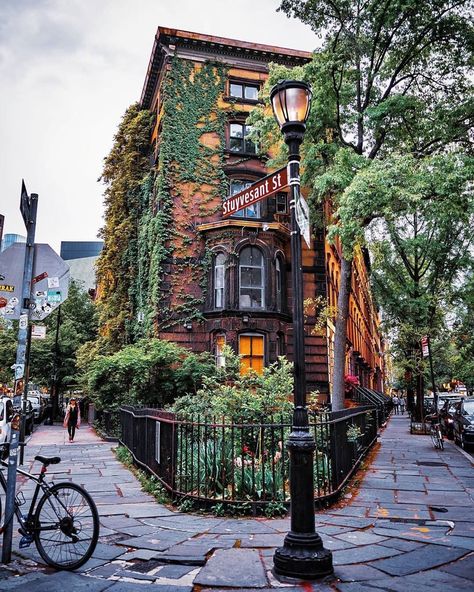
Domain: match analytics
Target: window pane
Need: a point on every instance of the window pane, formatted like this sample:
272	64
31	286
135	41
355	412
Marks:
253	211
236	145
251	297
251	93
257	346
281	203
219	344
250	147
236	130
237	185
219	276
257	365
219	297
245	345
236	90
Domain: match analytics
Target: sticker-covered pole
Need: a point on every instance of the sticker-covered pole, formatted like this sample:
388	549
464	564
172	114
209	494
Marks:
28	207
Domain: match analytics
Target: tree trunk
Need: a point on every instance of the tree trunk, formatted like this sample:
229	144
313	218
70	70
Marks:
340	337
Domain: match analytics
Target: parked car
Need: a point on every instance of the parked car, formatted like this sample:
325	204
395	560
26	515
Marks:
463	426
37	406
6	414
30	415
446	416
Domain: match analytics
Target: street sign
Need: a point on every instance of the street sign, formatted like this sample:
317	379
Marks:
265	187
25	204
38	331
424	347
44	298
302	218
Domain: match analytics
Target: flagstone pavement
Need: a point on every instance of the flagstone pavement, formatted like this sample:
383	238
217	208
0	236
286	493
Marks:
408	526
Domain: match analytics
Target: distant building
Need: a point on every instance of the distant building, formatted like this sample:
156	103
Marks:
81	257
10	239
80	249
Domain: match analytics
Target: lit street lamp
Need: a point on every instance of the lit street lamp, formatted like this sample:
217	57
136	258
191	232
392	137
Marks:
302	555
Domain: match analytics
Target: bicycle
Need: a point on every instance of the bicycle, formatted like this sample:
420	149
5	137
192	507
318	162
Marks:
436	435
64	524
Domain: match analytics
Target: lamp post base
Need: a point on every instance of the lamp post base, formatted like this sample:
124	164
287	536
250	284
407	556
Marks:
302	557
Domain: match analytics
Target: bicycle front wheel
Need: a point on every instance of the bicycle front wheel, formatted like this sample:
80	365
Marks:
66	526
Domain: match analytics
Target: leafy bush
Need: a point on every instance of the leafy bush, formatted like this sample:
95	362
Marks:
149	372
249	397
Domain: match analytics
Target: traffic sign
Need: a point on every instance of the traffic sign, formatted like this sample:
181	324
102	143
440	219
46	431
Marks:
46	295
265	187
25	204
302	218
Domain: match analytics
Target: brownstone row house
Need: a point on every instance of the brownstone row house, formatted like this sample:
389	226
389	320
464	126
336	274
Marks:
244	294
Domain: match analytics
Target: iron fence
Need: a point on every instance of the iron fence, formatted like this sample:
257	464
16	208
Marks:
214	460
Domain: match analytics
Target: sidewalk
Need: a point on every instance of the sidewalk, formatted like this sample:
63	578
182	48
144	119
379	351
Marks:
410	526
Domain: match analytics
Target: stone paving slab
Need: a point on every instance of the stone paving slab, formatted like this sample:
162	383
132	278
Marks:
231	567
418	560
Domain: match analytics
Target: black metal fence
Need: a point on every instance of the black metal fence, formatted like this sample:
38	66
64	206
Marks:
221	460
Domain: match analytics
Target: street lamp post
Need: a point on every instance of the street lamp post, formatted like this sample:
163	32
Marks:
302	555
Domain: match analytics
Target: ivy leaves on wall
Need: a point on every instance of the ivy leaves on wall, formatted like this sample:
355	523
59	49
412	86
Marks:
150	257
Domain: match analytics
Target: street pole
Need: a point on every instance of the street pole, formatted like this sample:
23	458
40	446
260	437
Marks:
54	401
25	394
435	392
302	555
28	207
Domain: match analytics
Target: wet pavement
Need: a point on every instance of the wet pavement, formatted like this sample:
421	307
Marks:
409	525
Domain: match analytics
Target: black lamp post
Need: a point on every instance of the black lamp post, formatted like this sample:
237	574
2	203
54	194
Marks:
302	555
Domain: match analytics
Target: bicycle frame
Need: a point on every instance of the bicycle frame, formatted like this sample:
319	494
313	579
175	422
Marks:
24	521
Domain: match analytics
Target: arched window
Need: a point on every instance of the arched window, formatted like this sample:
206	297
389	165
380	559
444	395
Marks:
253	211
251	278
219	280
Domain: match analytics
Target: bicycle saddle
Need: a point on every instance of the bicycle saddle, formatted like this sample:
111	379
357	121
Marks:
48	460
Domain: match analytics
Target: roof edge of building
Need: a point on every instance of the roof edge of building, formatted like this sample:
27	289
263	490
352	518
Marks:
170	36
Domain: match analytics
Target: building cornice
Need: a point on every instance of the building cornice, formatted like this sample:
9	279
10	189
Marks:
169	41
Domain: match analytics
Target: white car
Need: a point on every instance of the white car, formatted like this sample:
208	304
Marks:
6	414
37	407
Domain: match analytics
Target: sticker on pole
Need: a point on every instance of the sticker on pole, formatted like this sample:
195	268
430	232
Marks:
38	332
302	218
424	346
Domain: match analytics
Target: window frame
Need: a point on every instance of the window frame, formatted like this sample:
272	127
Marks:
262	286
243	84
243	213
252	356
243	141
220	341
214	280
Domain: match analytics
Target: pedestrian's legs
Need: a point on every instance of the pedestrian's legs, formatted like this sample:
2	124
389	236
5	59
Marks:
71	428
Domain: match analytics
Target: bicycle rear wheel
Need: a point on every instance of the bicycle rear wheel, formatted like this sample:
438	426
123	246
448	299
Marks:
66	526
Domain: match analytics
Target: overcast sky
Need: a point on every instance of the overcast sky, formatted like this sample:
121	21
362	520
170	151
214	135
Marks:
68	71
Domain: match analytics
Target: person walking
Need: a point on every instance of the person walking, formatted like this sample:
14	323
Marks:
401	402
396	403
72	419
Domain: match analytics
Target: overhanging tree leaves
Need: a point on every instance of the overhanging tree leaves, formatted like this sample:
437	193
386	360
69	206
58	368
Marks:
391	77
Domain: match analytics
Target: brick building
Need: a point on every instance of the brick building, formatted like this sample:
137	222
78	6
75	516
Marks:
242	295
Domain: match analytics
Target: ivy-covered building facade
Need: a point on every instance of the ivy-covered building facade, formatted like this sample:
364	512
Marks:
203	281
